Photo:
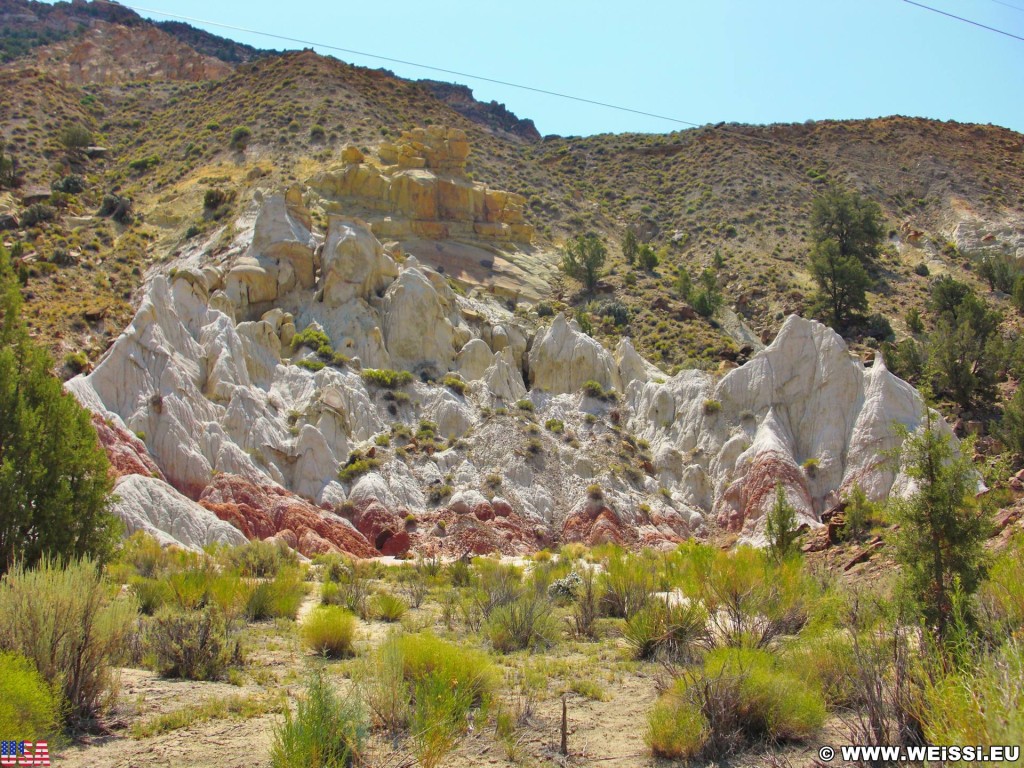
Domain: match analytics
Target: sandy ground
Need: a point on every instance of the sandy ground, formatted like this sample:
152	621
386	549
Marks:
607	733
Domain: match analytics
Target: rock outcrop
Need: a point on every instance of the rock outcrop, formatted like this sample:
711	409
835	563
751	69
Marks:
418	188
111	53
221	427
563	358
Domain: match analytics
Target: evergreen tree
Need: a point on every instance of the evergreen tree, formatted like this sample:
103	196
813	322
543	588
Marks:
780	526
842	283
853	222
708	299
647	257
961	352
630	246
941	536
583	258
54	480
1011	426
683	286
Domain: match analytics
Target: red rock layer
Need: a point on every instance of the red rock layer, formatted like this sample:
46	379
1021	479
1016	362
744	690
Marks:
597	523
749	497
263	511
126	452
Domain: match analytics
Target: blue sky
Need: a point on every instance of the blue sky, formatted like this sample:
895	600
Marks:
701	61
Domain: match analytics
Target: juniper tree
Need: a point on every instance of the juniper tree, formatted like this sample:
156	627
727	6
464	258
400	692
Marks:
583	258
940	541
54	480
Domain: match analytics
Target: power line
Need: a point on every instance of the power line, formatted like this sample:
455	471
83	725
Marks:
533	89
1008	5
393	60
967	21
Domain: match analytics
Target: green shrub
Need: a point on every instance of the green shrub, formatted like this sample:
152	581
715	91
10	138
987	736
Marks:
357	466
75	137
189	644
497	584
982	703
739	696
381	681
858	515
325	731
347	583
145	555
312	337
28	708
71	184
76	361
240	137
455	384
116	207
64	620
329	630
588	688
712	407
143	164
524	623
556	426
276	599
750	599
312	365
828	662
425	656
662	629
388	607
227	591
593	389
1003	593
263	559
37	213
152	594
676	729
386	379
189	588
772	702
627	585
525	405
458	573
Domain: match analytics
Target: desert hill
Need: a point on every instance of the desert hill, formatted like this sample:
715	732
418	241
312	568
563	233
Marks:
147	161
743	192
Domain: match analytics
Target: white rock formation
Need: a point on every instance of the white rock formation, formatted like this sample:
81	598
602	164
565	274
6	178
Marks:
151	505
562	358
206	371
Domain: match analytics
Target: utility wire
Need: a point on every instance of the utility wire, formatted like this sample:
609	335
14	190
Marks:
1008	5
456	73
967	21
393	60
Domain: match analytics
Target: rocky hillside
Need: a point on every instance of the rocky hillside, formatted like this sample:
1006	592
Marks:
317	387
274	229
26	25
740	192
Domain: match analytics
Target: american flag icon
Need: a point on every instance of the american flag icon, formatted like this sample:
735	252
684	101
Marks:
22	753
